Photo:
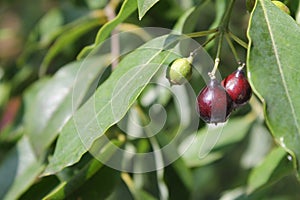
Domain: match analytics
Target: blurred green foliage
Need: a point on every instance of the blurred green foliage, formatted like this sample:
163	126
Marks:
40	42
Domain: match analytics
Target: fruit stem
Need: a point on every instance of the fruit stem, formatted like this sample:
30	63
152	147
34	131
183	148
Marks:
213	72
202	33
217	60
222	29
232	48
226	17
193	53
238	40
209	40
241	65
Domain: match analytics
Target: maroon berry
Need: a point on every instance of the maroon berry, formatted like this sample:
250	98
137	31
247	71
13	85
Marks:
237	87
214	104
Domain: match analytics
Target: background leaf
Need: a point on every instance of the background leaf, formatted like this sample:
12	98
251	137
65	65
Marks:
274	72
66	188
20	169
234	131
67	38
144	6
275	166
128	7
50	105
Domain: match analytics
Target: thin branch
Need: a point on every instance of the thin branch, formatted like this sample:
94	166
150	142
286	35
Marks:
238	40
232	48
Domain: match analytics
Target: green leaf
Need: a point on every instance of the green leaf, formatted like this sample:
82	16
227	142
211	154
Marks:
18	170
68	37
298	15
184	173
137	193
260	143
95	4
187	22
274	167
50	24
273	64
144	6
111	101
183	20
66	188
126	10
49	104
208	140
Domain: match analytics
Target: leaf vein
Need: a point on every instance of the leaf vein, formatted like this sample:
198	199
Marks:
280	67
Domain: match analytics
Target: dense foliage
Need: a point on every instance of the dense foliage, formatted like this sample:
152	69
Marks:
87	110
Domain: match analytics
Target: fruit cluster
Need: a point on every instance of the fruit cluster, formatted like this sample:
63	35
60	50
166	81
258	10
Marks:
217	100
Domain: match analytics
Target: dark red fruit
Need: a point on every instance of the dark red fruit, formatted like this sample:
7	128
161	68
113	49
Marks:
237	87
214	104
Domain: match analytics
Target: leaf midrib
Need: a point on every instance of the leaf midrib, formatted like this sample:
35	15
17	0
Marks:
280	67
123	86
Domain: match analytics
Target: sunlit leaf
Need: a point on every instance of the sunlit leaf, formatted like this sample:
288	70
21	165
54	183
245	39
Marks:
144	6
111	101
49	104
273	64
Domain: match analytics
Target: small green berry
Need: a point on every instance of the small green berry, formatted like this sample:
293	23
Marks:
282	7
180	71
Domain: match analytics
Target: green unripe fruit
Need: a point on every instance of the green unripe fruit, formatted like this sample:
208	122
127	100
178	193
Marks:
282	7
180	71
250	5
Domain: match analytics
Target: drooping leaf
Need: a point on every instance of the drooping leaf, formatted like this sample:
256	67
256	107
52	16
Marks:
128	7
111	101
275	166
260	143
137	193
66	188
67	38
144	6
19	170
50	24
49	105
210	139
95	4
273	64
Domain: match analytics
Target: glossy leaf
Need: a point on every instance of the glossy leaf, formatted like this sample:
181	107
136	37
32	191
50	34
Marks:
18	170
50	105
111	101
66	188
128	7
144	6
273	64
